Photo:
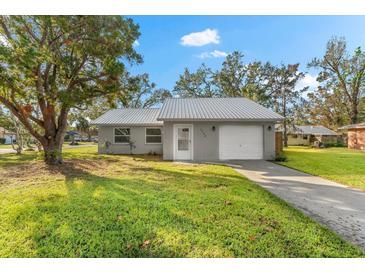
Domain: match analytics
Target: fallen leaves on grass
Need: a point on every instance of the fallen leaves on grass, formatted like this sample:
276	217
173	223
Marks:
145	244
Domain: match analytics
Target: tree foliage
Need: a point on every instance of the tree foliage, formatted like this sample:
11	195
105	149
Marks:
237	79
139	92
50	64
281	87
342	79
199	84
272	86
327	108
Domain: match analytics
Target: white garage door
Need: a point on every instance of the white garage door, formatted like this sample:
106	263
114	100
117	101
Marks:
242	142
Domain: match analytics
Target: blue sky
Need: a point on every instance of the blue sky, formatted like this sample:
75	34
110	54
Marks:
287	39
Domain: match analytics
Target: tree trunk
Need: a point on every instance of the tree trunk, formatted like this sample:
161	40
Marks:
52	146
354	113
19	138
285	134
285	122
53	152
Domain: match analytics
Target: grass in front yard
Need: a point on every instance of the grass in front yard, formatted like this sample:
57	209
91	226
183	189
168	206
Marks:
342	165
124	206
5	146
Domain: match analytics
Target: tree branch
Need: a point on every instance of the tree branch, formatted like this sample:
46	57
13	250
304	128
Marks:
337	72
22	118
6	30
36	120
30	32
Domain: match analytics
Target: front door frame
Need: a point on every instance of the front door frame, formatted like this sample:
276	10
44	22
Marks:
191	143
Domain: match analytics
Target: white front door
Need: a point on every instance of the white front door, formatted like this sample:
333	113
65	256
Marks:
183	144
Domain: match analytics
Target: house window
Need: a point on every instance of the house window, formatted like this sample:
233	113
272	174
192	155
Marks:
294	136
122	135
305	137
153	136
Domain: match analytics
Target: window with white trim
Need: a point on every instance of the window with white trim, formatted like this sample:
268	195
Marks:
153	135
122	135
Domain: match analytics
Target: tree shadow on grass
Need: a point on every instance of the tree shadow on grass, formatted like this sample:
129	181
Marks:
11	159
154	213
106	217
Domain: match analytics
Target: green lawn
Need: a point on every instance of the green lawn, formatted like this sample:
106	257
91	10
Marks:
3	146
120	206
342	165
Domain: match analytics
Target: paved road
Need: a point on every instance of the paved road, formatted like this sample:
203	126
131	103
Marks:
334	205
6	150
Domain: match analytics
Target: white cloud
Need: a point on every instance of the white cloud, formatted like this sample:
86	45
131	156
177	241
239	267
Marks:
212	54
135	43
308	81
218	53
198	39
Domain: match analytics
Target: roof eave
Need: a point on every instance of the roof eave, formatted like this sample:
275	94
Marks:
276	120
128	125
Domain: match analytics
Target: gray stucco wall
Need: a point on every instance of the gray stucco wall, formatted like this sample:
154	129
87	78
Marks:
106	133
206	141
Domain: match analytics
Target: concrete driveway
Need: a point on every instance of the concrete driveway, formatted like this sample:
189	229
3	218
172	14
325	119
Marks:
334	205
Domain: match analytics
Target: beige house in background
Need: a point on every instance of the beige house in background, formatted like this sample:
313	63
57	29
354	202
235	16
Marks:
307	135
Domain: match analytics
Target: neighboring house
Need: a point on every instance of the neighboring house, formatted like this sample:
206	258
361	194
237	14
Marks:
355	136
307	135
198	129
7	135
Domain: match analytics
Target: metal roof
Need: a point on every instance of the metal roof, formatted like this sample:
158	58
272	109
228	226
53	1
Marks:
129	117
353	126
314	130
215	109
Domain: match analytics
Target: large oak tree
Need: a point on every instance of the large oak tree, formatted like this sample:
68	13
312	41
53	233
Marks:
50	64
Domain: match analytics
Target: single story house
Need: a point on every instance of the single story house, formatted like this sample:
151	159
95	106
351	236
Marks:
355	136
197	129
7	136
307	135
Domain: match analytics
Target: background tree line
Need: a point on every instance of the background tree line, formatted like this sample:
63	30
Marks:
62	70
336	101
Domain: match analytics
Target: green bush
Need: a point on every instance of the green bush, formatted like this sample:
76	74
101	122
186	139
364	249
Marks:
337	144
2	141
280	157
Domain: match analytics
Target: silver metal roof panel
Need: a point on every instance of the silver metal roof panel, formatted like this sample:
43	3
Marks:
130	117
215	109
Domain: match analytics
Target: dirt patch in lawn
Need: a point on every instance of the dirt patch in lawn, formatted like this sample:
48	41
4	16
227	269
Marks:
38	170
